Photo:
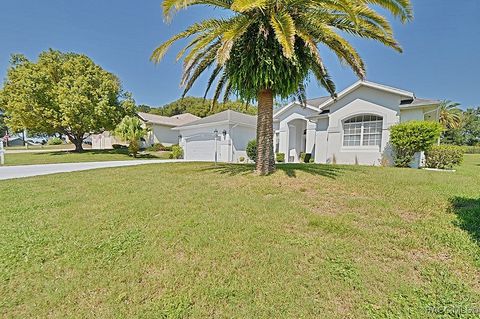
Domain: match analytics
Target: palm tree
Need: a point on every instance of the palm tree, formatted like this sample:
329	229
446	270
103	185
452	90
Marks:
450	115
265	49
131	130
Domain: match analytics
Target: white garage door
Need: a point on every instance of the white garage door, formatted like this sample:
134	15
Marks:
200	148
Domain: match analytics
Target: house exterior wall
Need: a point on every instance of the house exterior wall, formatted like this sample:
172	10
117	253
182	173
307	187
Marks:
163	134
325	134
290	126
230	147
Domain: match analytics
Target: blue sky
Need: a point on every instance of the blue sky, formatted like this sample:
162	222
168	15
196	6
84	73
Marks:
441	58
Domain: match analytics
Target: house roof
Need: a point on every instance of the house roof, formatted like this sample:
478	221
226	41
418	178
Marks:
227	117
418	102
175	120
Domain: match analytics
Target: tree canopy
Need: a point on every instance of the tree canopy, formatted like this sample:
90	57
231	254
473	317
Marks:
468	130
200	107
64	93
266	49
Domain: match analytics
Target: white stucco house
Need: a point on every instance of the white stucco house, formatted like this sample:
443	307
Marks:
161	127
350	129
160	130
222	136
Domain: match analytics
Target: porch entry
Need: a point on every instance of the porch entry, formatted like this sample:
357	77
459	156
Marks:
297	140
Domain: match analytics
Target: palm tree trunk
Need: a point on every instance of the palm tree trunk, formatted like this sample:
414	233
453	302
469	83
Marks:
265	159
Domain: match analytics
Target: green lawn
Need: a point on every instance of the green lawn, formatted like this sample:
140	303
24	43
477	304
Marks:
44	147
190	240
69	157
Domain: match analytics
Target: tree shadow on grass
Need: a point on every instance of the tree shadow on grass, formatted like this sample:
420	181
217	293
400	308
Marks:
468	212
330	171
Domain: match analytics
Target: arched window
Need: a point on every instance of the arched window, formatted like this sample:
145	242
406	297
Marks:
363	130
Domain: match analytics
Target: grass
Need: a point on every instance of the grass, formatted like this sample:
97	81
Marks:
45	147
190	240
69	157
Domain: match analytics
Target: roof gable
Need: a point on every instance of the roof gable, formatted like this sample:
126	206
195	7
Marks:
228	116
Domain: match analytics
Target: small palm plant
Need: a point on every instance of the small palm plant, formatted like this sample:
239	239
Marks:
131	130
450	115
266	49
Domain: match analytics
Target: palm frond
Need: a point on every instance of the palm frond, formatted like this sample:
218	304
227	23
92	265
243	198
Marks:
284	28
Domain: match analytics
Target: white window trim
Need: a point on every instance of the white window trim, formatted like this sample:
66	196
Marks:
361	146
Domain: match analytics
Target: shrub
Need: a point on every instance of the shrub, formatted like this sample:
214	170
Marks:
157	147
280	157
472	149
305	157
177	152
252	150
168	148
241	159
55	141
411	137
444	156
118	146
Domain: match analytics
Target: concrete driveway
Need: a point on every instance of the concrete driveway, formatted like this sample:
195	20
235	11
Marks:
9	172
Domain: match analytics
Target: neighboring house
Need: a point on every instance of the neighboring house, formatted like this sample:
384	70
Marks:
160	131
161	127
351	129
222	136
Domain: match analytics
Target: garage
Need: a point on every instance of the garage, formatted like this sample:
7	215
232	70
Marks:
225	134
199	148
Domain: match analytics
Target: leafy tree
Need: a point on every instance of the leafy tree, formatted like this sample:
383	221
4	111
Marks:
143	108
411	137
267	49
468	133
450	115
64	93
3	126
131	130
201	107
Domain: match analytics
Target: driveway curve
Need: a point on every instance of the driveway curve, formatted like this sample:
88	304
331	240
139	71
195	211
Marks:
10	172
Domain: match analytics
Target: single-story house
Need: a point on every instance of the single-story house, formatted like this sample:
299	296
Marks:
222	136
161	127
160	130
350	129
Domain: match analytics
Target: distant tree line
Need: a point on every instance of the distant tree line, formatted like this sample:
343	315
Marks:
197	106
461	127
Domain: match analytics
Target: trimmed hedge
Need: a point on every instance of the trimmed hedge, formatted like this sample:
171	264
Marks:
177	152
280	157
471	149
444	156
411	137
55	141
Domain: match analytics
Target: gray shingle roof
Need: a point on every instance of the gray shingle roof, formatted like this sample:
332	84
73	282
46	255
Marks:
229	116
418	102
318	101
176	120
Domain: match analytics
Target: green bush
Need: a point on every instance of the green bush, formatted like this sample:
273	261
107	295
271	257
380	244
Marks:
118	146
177	152
305	158
168	148
280	157
241	159
411	137
157	147
471	149
252	150
55	141
444	156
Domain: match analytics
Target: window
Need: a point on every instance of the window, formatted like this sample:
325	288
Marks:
363	130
